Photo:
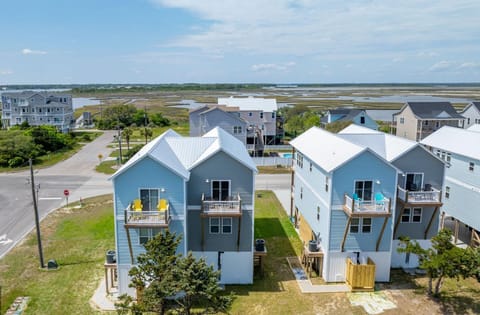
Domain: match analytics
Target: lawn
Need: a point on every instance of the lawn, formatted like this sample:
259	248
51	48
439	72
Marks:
77	239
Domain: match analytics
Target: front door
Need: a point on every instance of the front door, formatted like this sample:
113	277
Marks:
149	199
364	189
414	181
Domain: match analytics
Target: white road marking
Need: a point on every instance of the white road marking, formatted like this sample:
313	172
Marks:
4	240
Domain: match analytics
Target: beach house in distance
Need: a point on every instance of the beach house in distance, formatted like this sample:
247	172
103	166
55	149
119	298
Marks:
417	120
354	115
471	112
201	188
355	193
37	108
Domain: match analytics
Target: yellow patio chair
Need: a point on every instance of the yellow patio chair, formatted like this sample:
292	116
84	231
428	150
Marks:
162	205
137	205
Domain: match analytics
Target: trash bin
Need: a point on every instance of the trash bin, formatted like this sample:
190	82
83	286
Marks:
260	245
111	257
52	264
312	246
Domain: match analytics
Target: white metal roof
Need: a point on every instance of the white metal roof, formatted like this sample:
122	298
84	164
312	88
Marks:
181	154
326	149
475	127
456	140
250	103
388	146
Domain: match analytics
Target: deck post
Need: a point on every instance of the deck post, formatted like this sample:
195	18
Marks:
202	242
430	222
398	222
345	233
238	235
130	245
292	183
379	240
456	231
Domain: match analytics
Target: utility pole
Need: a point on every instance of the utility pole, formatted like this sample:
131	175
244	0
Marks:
35	208
119	138
145	123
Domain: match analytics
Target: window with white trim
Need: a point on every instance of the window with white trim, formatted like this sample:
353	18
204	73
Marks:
226	225
361	225
402	120
214	225
311	166
300	159
237	129
144	235
326	183
413	215
471	166
447	192
220	225
261	115
318	213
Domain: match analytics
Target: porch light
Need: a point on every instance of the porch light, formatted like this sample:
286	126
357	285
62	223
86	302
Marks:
162	190
207	181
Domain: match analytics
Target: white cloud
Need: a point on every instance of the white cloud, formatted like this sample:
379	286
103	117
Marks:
469	65
443	65
272	66
6	72
327	28
27	51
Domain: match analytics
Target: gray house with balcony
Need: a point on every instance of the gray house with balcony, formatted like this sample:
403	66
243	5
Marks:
201	188
419	187
37	108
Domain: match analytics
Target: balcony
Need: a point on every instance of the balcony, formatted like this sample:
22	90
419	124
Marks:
429	196
355	208
153	219
230	207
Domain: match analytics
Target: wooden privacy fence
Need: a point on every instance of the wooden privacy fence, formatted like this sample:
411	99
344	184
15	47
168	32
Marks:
361	277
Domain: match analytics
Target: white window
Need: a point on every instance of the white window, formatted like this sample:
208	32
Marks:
273	115
149	198
366	225
226	225
237	129
261	115
220	189
326	183
301	192
214	225
300	159
361	225
471	166
437	124
364	189
220	225
425	122
311	166
362	120
412	215
145	235
402	120
414	181
318	213
250	114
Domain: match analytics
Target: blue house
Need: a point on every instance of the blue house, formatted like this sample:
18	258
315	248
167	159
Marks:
199	187
460	149
344	197
354	115
419	187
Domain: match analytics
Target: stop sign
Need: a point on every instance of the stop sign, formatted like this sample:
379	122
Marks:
66	192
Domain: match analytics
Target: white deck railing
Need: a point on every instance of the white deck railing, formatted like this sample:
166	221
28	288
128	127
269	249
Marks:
367	206
430	196
150	218
230	206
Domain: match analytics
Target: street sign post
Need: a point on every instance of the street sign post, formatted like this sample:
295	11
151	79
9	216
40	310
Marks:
66	193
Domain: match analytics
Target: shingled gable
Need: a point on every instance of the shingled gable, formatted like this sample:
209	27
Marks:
432	110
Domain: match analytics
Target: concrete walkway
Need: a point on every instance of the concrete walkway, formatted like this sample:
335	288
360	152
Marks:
101	301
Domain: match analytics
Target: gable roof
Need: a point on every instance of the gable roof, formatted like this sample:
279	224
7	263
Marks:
250	103
346	114
326	149
432	110
455	140
472	104
227	113
182	154
388	146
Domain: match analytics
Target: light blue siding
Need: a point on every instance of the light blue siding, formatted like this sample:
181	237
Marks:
366	166
146	173
369	122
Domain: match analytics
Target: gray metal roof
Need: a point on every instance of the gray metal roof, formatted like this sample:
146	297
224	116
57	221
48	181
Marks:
27	94
434	110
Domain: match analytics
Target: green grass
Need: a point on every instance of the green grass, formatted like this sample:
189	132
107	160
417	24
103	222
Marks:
107	167
273	169
77	239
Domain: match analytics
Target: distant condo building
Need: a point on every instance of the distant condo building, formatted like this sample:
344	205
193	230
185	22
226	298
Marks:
37	108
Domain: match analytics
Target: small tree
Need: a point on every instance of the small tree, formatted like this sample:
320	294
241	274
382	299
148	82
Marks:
198	283
443	259
147	133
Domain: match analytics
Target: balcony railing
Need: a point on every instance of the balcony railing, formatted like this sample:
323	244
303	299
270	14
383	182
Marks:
232	206
369	208
424	196
147	218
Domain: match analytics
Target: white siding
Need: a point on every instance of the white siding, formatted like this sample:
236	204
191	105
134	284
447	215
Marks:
336	264
399	259
237	267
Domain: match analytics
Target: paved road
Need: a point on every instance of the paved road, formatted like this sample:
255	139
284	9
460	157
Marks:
76	174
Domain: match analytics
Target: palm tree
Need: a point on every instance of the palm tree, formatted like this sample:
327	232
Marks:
127	133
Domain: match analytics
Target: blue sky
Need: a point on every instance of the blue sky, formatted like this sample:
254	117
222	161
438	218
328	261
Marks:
258	41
